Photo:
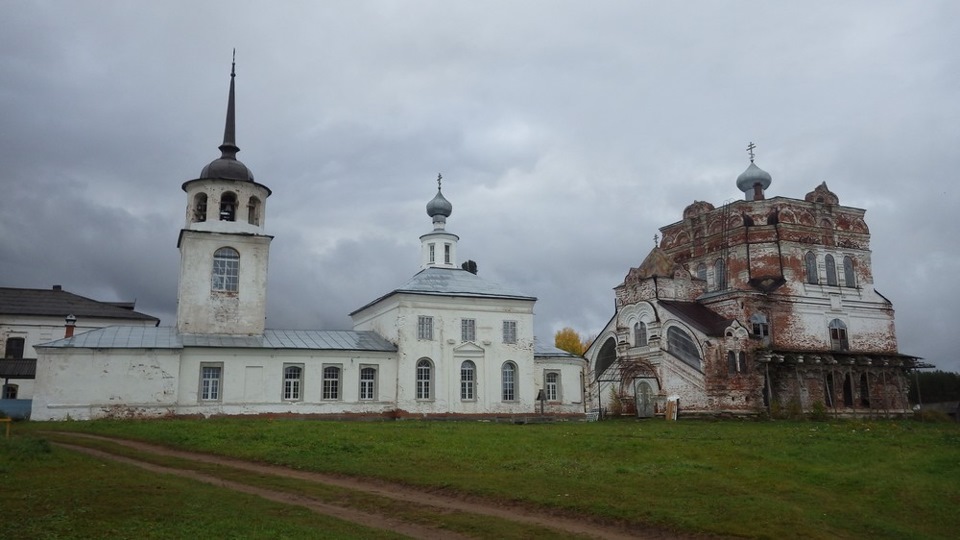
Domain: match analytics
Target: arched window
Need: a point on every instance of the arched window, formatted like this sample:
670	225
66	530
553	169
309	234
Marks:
368	384
742	365
810	263
838	335
292	383
253	211
331	382
509	380
831	270
468	381
606	357
849	279
702	271
773	218
228	207
681	345
226	270
552	386
720	274
640	335
731	363
200	207
424	379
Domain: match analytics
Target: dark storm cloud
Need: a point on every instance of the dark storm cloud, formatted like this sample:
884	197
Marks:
568	134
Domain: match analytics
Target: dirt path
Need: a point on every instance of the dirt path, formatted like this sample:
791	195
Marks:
393	491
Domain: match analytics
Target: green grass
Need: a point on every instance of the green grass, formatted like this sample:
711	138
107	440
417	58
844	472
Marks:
757	479
53	493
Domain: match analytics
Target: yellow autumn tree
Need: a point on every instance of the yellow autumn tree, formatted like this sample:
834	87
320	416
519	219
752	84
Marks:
568	339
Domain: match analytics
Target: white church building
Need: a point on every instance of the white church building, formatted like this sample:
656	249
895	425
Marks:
446	343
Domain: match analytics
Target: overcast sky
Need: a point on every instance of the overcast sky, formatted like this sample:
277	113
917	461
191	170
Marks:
567	134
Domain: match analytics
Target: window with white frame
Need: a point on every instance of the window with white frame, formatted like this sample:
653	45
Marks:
551	386
446	253
432	253
509	331
838	335
468	381
424	379
640	334
211	381
681	345
368	383
468	329
292	382
424	327
226	270
509	381
331	382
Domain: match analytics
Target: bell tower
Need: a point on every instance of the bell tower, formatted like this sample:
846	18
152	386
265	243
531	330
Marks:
223	248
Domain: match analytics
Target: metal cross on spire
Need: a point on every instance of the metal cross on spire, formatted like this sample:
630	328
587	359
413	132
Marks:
439	178
233	64
656	240
750	148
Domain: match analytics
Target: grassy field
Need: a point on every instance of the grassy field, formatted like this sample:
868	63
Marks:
755	479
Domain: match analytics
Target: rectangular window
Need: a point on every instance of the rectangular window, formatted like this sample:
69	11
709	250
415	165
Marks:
211	380
509	331
9	391
14	348
432	248
446	253
292	382
424	327
331	382
468	329
368	383
552	386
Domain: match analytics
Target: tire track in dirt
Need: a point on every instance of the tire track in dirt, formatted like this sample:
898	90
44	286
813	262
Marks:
393	491
347	514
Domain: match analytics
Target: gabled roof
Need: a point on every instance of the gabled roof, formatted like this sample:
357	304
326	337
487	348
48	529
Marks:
435	281
19	368
698	316
142	337
59	303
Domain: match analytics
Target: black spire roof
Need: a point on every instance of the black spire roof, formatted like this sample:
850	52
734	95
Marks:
227	166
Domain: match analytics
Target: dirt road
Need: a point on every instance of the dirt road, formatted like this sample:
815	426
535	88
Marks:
408	495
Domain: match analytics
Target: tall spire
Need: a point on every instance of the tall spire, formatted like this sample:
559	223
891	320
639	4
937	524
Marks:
229	147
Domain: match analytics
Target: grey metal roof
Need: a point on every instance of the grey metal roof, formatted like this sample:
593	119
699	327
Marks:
59	303
698	316
452	282
139	337
544	350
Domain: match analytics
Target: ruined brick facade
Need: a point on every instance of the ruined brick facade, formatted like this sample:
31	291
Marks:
756	305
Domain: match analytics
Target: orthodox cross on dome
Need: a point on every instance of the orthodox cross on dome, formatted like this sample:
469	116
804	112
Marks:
750	148
233	64
656	240
439	178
